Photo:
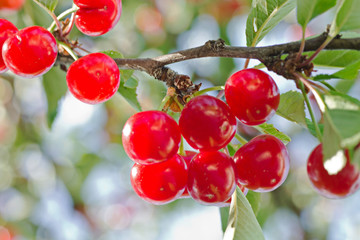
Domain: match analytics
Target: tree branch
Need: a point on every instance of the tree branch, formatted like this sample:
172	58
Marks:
156	66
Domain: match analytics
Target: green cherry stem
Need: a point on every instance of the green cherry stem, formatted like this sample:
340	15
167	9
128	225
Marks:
216	88
71	10
181	147
317	129
53	16
178	103
163	103
69	50
242	140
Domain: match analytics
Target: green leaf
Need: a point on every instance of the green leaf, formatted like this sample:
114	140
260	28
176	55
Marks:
347	17
311	127
130	95
242	222
309	9
55	89
331	138
49	4
264	16
267	128
356	157
350	72
254	199
292	107
336	58
224	217
113	54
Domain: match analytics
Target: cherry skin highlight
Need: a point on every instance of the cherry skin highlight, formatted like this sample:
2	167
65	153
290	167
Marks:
151	137
252	96
262	164
95	18
7	29
189	155
339	185
160	183
30	52
211	178
93	78
207	123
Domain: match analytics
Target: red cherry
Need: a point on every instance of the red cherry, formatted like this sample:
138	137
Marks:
339	185
11	4
207	123
30	52
150	137
160	183
95	18
252	95
211	178
262	164
188	157
93	78
7	29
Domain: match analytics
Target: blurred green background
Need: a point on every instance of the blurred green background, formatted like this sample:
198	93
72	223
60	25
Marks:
71	181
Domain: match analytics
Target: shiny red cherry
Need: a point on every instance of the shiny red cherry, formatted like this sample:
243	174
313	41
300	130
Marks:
336	185
252	96
150	137
30	52
189	155
160	183
207	123
7	29
95	18
262	164
93	78
211	178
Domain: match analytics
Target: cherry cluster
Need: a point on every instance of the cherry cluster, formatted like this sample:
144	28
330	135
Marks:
161	175
32	51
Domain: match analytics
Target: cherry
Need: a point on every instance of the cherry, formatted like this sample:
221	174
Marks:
160	183
262	164
338	185
11	4
93	78
242	188
7	29
188	157
95	18
211	178
207	123
252	95
150	137
30	52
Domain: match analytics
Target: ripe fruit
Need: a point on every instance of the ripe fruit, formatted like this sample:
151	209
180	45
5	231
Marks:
160	183
211	178
95	18
207	123
150	137
262	164
30	52
252	96
11	4
187	158
93	78
7	29
338	185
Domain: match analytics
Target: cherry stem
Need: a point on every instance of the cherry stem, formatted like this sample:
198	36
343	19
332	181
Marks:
322	46
163	102
62	16
178	103
53	16
317	129
69	50
302	46
70	26
216	88
240	139
247	61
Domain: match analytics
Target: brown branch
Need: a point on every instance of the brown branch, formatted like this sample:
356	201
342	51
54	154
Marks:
156	66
